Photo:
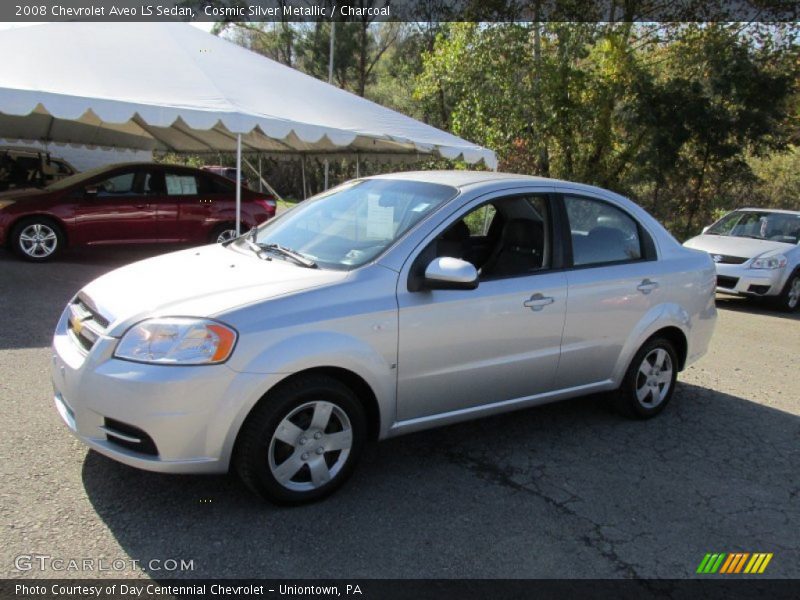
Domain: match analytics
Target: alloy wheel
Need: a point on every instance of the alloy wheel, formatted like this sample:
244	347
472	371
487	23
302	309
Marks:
226	235
793	297
654	379
38	240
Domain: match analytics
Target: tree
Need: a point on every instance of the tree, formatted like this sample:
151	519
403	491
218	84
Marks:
667	114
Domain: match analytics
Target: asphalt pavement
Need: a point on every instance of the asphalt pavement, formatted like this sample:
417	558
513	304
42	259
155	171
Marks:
565	490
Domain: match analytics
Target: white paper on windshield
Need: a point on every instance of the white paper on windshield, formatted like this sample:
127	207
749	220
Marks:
178	185
380	220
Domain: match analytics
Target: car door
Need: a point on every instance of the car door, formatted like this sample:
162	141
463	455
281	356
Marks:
612	284
183	211
195	203
460	349
115	209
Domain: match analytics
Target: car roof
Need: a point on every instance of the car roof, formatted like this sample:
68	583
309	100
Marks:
128	165
151	165
457	179
772	210
464	179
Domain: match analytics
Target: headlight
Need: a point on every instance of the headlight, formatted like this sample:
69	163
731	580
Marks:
770	262
4	203
177	341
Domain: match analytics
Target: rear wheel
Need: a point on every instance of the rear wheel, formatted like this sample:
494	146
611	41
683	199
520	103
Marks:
650	380
37	239
789	300
225	233
302	441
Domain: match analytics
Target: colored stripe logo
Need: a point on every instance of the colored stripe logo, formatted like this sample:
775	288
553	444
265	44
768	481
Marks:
726	563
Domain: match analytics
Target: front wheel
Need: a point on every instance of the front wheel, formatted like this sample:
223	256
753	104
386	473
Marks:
789	300
37	239
302	441
650	380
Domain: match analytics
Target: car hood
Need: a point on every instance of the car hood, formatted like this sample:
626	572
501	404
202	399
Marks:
22	194
736	246
200	282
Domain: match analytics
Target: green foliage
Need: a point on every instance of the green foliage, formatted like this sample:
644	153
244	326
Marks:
688	119
778	180
667	114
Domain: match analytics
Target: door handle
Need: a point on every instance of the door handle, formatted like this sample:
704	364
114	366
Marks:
141	206
647	286
538	301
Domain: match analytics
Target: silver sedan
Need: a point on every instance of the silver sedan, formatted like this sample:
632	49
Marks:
387	305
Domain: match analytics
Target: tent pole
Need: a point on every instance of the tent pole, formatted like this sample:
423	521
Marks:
330	80
260	178
261	181
303	170
358	173
238	184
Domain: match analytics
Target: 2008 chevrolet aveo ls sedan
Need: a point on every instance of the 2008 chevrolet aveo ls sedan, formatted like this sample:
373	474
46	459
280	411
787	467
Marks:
386	305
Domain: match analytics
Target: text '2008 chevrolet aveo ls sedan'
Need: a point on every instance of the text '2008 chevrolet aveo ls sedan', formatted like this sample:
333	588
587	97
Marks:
386	305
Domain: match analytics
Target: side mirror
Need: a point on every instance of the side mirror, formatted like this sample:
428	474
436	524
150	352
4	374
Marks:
706	228
446	273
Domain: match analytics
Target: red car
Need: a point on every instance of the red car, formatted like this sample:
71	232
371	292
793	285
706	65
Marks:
127	204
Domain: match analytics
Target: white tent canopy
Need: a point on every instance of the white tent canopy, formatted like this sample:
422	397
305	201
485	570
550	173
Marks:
170	86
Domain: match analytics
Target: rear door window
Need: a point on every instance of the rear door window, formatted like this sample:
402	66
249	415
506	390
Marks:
181	184
601	233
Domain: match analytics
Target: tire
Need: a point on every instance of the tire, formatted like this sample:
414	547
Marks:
225	232
789	299
37	239
285	457
650	380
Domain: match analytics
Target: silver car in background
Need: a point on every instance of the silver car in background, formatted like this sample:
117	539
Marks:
387	305
756	253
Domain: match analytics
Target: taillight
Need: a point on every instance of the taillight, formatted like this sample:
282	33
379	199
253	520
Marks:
268	204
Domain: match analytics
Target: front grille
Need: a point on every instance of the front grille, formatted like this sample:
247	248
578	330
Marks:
726	259
128	436
726	282
85	324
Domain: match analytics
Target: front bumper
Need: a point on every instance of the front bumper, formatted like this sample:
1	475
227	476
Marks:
741	281
190	414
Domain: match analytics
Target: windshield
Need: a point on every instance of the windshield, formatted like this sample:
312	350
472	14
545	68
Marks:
352	224
762	225
77	178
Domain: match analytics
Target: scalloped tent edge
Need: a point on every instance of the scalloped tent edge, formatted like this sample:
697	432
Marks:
199	101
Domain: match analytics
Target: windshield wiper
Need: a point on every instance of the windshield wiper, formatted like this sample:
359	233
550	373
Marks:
293	254
258	250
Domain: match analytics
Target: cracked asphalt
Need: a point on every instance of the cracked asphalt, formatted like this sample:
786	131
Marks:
565	490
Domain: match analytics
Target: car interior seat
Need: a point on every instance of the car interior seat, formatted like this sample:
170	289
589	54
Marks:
604	244
521	249
453	241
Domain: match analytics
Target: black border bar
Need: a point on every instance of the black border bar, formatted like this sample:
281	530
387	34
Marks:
402	10
729	588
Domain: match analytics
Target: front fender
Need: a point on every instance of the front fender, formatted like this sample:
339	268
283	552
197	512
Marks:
330	349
